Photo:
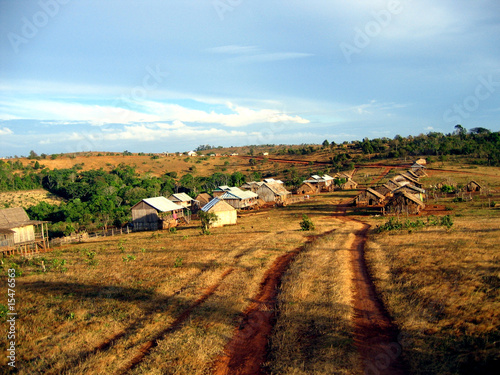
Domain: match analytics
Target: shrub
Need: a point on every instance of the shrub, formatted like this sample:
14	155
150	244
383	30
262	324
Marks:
306	223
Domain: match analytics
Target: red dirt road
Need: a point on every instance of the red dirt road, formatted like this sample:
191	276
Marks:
375	335
246	351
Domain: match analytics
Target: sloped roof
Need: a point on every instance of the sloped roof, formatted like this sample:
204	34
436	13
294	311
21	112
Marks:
413	198
416	165
14	217
217	205
234	192
162	204
181	197
315	177
473	182
413	174
327	178
204	196
376	193
308	185
277	189
411	187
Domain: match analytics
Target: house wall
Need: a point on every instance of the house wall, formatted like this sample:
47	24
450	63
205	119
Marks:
266	194
144	217
24	234
225	218
6	239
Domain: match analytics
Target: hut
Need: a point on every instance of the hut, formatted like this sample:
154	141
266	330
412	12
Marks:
416	191
421	161
473	186
369	197
182	199
404	179
18	232
404	203
349	185
307	188
273	192
238	198
220	190
156	213
226	214
203	199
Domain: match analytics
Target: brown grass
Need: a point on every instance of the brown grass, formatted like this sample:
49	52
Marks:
27	198
442	288
119	306
314	330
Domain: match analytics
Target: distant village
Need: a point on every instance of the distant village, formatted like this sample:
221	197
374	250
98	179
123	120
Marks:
402	194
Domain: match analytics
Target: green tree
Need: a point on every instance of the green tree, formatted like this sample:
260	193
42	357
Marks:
207	219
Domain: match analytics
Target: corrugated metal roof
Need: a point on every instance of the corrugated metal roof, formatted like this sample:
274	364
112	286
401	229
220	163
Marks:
315	177
162	204
181	197
217	205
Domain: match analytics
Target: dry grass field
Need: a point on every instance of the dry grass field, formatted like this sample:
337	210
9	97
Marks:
442	288
197	166
169	300
27	198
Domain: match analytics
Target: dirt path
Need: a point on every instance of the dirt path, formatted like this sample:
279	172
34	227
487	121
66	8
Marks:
375	336
246	352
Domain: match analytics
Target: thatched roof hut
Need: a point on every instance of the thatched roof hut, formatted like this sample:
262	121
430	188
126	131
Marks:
473	186
403	202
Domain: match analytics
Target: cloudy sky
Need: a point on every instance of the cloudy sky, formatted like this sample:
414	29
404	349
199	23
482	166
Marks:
169	75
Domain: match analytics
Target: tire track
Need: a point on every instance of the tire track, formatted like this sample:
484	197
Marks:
375	335
246	351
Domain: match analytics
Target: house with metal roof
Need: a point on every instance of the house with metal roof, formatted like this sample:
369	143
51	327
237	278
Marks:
157	213
226	214
238	198
182	199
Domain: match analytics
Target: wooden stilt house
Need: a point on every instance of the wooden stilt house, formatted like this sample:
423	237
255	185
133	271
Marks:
20	234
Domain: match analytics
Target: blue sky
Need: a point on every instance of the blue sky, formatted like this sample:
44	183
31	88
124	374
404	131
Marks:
169	75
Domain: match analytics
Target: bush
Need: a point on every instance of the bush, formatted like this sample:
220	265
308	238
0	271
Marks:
306	223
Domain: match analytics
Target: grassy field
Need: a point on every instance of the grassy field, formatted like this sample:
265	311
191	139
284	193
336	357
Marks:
90	308
27	198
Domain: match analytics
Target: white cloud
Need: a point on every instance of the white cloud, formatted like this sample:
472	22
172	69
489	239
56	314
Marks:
5	131
145	111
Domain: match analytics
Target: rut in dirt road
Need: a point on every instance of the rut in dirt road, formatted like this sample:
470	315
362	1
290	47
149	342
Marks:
375	336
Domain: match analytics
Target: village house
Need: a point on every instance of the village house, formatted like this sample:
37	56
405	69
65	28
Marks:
349	185
401	178
192	153
324	183
273	192
237	198
369	197
307	188
414	190
18	232
226	214
421	161
203	199
404	203
157	213
472	186
182	199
